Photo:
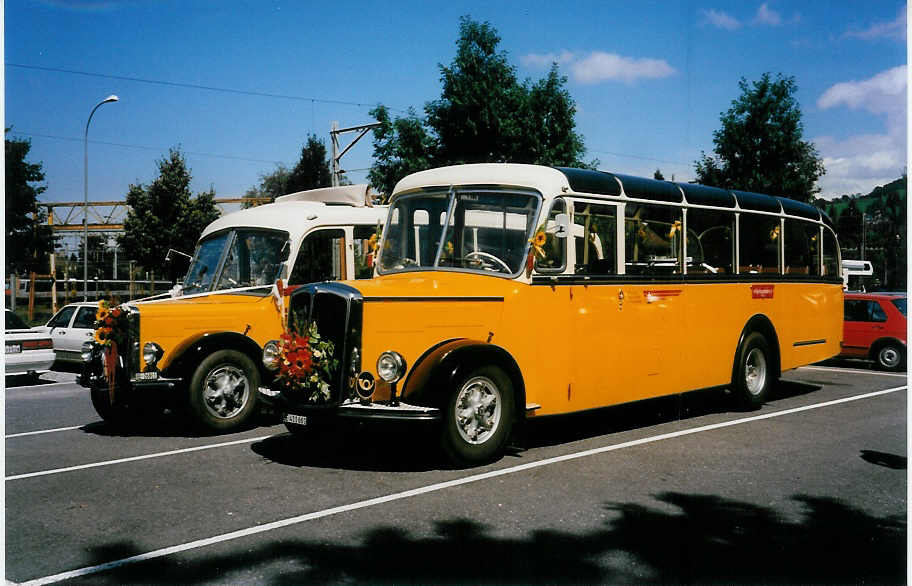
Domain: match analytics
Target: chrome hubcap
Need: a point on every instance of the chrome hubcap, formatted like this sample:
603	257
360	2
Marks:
889	357
225	391
755	371
478	410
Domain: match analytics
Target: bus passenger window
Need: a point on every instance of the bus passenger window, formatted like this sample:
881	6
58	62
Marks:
830	254
801	248
366	248
758	244
551	256
320	258
709	242
653	238
594	232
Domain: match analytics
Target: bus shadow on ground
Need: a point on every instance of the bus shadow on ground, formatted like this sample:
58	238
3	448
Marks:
166	425
675	539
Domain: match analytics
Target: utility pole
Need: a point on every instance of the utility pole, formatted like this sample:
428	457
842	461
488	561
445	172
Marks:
334	140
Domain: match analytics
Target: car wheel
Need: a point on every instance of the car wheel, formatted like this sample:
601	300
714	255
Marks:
754	376
890	357
478	417
223	391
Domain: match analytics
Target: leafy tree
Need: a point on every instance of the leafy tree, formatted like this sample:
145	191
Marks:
312	169
658	175
483	114
271	185
29	240
164	215
760	146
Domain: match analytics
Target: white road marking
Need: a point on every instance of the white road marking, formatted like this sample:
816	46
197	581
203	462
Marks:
136	458
431	488
854	371
44	431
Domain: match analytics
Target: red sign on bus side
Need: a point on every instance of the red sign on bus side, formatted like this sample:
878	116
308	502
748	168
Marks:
762	291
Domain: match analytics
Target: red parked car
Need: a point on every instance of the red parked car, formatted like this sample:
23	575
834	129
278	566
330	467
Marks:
875	328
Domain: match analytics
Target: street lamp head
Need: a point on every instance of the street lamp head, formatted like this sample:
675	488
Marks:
111	98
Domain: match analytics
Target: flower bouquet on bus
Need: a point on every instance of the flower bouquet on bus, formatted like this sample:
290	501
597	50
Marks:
306	363
111	332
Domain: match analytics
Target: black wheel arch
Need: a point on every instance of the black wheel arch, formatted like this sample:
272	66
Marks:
441	366
195	351
761	324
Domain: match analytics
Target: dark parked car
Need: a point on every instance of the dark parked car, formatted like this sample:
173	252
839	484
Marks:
874	328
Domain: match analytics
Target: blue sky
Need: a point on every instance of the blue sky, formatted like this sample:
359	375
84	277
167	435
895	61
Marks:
650	80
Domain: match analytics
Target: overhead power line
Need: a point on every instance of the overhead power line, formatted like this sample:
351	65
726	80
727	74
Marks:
196	86
146	148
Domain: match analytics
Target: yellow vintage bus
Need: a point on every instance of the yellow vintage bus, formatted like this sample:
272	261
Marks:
197	350
505	292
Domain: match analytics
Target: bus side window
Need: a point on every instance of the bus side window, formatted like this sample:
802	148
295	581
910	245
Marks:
366	247
709	242
320	258
554	249
594	232
758	244
830	254
801	248
653	236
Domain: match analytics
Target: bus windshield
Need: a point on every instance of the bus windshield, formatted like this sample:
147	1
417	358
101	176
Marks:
473	230
244	257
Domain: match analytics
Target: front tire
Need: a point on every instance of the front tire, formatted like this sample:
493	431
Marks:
478	417
223	391
890	357
753	373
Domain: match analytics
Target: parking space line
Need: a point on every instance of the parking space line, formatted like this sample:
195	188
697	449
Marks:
12	435
136	458
854	371
257	529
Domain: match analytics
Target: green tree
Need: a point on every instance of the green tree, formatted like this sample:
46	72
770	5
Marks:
760	146
271	185
29	240
312	168
483	114
164	215
658	175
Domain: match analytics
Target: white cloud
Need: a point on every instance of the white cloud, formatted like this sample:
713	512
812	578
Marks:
766	15
720	19
599	66
859	163
894	29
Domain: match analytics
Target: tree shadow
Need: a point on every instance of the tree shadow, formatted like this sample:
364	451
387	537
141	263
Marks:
684	539
884	459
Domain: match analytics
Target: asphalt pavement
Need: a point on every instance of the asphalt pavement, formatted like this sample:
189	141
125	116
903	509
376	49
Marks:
809	489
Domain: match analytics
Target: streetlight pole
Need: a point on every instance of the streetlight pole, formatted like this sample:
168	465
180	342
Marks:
85	209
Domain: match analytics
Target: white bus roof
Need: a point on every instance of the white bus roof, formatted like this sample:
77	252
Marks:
353	195
545	180
297	217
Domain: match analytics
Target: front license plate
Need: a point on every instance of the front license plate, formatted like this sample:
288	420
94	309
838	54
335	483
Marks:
13	348
153	375
296	419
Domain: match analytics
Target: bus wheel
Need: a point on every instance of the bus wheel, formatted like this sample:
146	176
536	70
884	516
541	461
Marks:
223	391
890	357
753	373
478	417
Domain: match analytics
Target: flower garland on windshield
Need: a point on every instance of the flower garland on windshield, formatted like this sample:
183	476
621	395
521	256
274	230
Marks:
537	248
111	331
306	363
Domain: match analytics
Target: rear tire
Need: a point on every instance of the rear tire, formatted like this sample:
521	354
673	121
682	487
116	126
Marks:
753	372
891	357
223	391
478	417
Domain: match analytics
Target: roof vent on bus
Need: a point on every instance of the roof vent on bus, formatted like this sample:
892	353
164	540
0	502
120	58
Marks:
351	195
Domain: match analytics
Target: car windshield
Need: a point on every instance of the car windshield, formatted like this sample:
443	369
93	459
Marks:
470	230
900	305
248	257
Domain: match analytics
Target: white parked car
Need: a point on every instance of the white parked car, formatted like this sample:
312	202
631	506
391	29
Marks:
28	351
70	328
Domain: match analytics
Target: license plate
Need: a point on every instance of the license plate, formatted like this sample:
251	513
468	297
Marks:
13	348
146	376
296	419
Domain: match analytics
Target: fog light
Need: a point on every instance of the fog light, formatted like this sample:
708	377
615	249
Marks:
271	355
86	352
151	353
391	366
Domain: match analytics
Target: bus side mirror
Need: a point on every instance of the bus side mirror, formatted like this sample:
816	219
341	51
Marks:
562	225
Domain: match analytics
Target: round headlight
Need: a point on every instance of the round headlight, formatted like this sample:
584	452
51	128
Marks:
86	352
271	355
151	353
391	366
